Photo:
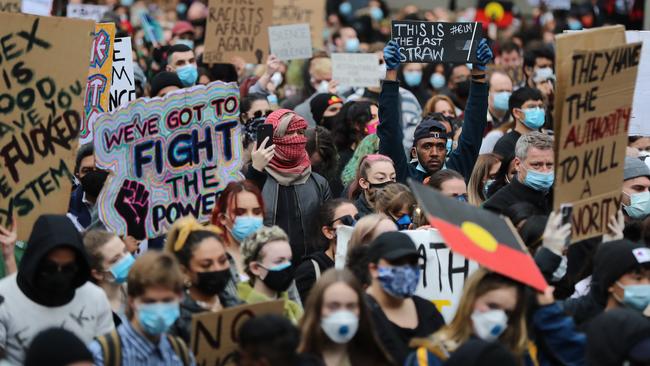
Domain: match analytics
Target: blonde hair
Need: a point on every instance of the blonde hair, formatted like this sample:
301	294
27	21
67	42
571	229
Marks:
430	105
482	168
393	198
251	247
186	234
364	230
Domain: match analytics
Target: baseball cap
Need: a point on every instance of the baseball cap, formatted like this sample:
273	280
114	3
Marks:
431	126
182	27
616	258
635	168
392	246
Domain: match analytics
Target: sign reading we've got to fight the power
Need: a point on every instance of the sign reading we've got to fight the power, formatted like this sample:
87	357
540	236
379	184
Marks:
437	42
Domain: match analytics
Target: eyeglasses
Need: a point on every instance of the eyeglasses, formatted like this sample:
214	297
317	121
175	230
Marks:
346	220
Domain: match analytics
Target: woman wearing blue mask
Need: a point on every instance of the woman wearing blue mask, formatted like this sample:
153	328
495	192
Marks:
110	262
411	78
483	177
397	202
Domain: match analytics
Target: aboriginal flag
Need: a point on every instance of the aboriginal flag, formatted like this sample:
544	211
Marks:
479	235
494	11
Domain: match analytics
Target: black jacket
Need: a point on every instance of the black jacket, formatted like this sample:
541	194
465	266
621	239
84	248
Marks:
363	206
518	192
306	273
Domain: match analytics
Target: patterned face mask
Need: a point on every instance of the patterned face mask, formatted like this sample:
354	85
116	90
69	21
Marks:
399	281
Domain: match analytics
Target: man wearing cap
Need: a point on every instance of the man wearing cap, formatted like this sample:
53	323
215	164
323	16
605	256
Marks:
636	196
163	83
431	135
183	33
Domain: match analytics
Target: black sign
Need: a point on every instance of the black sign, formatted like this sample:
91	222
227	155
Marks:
437	42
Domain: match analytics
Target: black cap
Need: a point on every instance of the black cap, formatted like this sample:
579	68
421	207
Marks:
56	347
614	259
431	126
163	80
392	246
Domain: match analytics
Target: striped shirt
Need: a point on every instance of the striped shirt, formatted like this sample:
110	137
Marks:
139	351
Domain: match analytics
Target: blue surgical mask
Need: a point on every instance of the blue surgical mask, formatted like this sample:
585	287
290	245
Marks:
404	222
534	118
376	13
345	8
437	81
244	226
636	297
575	24
486	187
352	45
450	146
272	99
188	42
461	198
156	318
126	2
501	101
188	74
120	270
401	281
639	206
413	78
539	181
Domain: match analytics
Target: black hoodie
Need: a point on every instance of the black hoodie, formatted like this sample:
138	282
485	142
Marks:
51	232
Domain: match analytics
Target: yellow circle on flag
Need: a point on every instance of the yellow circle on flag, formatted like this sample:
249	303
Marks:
494	11
481	237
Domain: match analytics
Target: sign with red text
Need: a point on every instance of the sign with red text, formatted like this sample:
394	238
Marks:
41	101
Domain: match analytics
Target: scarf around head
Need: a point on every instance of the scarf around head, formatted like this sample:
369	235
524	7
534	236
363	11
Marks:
290	165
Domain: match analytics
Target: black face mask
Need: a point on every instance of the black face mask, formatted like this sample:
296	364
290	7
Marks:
380	185
328	122
212	283
279	281
462	89
57	285
93	182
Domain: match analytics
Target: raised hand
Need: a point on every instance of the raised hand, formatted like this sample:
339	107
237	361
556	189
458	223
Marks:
262	156
8	238
616	225
132	203
391	55
555	234
483	54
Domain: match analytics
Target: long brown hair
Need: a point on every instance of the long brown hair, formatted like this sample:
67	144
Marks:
430	105
482	168
362	172
364	348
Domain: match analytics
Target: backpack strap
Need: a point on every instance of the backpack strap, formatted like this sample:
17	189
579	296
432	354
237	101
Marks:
180	348
316	268
111	348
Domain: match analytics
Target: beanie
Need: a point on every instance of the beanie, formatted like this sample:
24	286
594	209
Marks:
635	168
319	104
56	347
163	80
613	260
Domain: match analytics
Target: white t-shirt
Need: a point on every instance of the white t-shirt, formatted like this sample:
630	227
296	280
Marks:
88	315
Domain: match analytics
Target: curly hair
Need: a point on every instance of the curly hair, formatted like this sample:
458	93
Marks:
251	247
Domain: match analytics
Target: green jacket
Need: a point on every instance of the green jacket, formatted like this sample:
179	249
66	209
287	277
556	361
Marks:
292	310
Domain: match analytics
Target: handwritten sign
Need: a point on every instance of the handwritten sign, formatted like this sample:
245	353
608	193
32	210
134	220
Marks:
437	42
237	29
592	138
122	82
36	7
215	336
87	11
98	86
356	69
41	99
311	12
290	42
168	158
641	107
10	6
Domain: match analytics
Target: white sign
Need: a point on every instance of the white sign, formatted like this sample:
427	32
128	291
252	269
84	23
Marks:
639	125
290	42
122	81
356	69
87	11
558	4
36	7
443	271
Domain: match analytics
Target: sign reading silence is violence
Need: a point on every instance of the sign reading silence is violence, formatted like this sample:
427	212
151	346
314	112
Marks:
167	157
44	63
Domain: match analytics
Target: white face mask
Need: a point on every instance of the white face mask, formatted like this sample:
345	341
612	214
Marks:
276	79
382	71
323	87
340	326
489	325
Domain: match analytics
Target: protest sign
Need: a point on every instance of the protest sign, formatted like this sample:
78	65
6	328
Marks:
436	42
311	12
87	11
41	99
356	69
237	29
36	7
639	125
290	42
10	6
592	138
122	82
215	336
98	86
168	158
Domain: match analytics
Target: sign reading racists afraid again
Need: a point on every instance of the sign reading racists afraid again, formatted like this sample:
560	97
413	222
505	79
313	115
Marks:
168	158
44	65
437	42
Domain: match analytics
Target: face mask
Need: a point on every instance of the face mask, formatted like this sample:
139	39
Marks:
279	277
244	226
277	79
539	181
501	101
639	206
461	198
340	326
462	89
413	78
404	222
380	185
57	287
644	154
156	318
636	297
120	270
188	74
323	87
212	283
534	118
376	13
437	81
126	2
92	182
489	325
486	187
450	146
328	122
399	281
575	25
382	71
272	99
188	42
371	127
345	8
352	45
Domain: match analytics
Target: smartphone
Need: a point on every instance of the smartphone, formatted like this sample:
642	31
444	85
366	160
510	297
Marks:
566	211
263	131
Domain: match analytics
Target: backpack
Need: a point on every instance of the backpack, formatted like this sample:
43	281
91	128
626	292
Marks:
112	348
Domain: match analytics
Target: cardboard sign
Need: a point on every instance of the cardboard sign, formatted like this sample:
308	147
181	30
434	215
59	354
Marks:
311	12
98	86
639	125
36	7
237	29
10	6
41	101
87	11
592	138
290	42
215	336
437	42
356	69
122	81
168	158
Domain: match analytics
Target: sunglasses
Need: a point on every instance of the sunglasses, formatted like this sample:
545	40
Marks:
260	114
346	220
50	267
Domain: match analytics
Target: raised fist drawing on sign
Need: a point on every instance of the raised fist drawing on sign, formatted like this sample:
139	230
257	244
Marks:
132	203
